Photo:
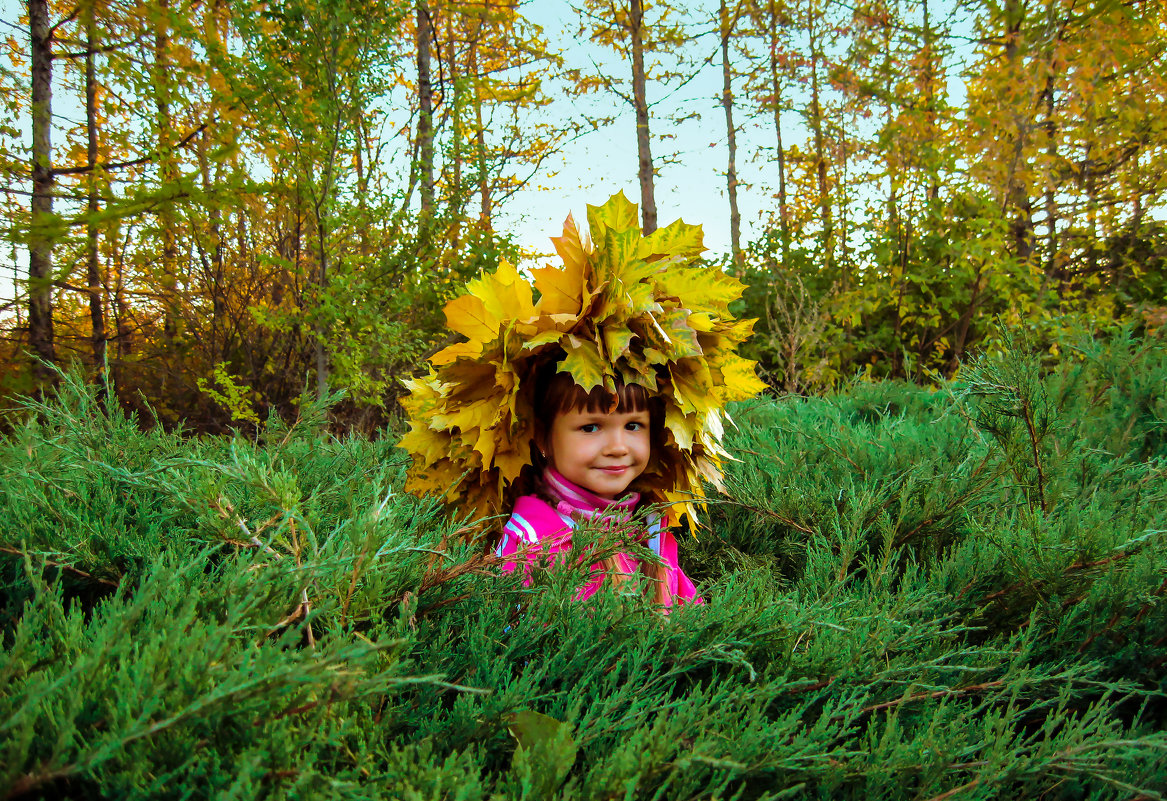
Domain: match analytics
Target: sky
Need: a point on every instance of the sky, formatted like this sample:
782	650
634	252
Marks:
690	156
690	160
691	163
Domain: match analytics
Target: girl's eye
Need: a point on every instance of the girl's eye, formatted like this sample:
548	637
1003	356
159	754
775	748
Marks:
589	428
634	426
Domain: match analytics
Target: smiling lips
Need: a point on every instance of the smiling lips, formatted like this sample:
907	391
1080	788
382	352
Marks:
614	470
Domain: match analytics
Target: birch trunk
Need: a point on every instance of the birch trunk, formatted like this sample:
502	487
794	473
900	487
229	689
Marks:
640	101
40	244
425	118
735	218
92	267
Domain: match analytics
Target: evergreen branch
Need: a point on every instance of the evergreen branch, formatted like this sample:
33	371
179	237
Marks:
1077	567
956	503
61	566
781	518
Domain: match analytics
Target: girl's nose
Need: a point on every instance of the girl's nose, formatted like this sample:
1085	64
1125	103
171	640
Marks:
616	442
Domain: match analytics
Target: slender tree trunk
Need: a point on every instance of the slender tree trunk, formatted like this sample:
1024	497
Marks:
40	244
820	156
120	309
322	215
735	217
486	207
485	210
776	97
168	170
964	324
1053	271
1051	201
425	117
930	110
899	232
842	202
640	101
1016	195
321	329
92	271
457	196
216	278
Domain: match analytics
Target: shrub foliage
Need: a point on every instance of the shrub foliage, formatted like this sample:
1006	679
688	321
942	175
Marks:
912	593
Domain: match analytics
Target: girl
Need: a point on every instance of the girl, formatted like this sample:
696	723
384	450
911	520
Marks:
499	423
584	460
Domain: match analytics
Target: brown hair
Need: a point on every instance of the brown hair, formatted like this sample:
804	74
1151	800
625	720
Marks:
556	393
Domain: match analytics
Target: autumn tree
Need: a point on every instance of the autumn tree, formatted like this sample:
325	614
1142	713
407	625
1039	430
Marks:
480	83
634	30
314	70
1067	104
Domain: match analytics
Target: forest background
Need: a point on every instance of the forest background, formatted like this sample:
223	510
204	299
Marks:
228	201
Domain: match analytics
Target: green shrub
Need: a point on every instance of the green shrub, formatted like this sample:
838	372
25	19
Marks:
911	593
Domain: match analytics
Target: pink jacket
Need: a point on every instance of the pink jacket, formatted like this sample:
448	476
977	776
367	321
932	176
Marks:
534	522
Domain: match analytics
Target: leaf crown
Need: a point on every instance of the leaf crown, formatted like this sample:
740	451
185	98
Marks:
622	308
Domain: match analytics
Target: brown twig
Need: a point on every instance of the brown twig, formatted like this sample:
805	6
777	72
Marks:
950	793
972	688
1033	441
62	566
775	515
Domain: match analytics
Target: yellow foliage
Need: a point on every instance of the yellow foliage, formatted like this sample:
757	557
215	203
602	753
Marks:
620	307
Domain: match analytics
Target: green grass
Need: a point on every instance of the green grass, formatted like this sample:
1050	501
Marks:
912	594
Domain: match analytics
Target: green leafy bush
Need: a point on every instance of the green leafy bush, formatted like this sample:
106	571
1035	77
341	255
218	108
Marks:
911	593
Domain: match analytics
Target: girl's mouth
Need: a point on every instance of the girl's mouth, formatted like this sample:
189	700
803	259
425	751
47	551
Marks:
613	470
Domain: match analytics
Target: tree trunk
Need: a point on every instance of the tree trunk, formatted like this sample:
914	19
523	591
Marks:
167	169
640	101
40	244
457	194
960	341
215	275
425	117
92	271
930	111
820	156
321	328
1051	200
485	211
735	217
776	98
1016	195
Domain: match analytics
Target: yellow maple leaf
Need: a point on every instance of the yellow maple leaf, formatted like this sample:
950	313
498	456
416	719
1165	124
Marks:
583	363
677	240
738	381
574	249
618	213
468	316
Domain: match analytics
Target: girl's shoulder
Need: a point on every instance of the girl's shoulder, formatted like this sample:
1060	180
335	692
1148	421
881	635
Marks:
533	519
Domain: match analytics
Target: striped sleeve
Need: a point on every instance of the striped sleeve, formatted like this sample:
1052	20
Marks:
533	522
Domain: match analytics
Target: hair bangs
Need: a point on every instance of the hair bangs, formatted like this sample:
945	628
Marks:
563	395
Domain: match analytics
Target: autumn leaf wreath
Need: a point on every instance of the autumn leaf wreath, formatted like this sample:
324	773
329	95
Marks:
622	307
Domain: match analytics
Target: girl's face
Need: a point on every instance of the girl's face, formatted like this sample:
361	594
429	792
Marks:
599	451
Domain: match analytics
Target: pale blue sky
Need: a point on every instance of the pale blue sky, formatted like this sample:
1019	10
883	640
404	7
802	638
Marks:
604	161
